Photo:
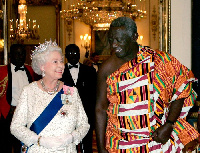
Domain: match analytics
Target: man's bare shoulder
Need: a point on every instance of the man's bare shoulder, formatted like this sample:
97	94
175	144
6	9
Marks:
108	66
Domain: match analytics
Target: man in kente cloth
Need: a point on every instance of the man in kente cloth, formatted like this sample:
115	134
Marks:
143	97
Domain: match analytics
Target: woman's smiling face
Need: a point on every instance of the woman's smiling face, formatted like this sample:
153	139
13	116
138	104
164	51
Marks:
54	65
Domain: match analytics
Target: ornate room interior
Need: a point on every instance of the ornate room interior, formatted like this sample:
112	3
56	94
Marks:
162	25
166	25
31	22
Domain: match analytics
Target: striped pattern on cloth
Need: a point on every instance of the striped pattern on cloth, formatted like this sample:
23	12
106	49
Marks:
140	93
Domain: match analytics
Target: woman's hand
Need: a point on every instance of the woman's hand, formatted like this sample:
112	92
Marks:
66	139
162	134
51	142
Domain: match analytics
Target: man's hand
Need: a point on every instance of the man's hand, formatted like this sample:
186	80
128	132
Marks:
162	134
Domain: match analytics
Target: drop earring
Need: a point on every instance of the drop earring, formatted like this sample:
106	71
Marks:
43	74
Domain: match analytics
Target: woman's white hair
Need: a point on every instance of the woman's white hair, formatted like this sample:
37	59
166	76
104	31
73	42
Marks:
41	53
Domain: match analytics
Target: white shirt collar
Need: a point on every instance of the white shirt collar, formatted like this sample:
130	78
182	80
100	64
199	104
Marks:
75	64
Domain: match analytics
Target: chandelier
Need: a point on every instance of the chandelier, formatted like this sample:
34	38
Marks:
20	29
100	13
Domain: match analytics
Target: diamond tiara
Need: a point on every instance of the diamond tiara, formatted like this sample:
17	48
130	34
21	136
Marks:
42	47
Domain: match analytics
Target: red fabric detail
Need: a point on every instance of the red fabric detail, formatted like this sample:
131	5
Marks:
4	106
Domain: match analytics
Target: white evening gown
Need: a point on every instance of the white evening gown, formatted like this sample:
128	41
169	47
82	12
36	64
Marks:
31	104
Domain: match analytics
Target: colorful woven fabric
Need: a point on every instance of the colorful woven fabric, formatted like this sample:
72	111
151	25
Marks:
140	93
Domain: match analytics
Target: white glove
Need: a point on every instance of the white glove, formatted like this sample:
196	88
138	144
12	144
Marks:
66	139
51	142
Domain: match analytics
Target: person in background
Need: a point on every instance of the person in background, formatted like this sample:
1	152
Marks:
95	59
49	116
83	77
13	78
87	62
143	97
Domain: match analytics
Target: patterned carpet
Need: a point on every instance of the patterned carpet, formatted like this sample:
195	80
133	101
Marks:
94	144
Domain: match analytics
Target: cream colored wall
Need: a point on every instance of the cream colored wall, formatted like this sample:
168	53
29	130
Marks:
181	31
81	29
46	18
143	30
143	27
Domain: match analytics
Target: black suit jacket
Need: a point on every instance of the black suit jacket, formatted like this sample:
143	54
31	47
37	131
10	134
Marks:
86	85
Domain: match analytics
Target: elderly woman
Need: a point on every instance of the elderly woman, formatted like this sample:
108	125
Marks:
50	116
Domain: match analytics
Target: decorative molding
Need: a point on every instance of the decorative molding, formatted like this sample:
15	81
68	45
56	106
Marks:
165	25
69	27
154	22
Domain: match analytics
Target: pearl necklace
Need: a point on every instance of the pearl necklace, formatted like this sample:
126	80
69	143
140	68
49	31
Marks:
53	91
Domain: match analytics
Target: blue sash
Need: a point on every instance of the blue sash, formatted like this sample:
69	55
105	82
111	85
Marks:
47	115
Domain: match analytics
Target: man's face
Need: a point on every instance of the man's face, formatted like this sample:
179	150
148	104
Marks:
96	58
120	42
73	56
18	57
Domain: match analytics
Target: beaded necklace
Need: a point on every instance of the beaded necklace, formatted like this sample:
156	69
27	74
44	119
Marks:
53	91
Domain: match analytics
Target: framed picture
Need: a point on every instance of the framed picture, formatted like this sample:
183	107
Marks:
100	44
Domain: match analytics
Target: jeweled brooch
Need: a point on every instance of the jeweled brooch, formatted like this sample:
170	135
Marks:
67	96
63	112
